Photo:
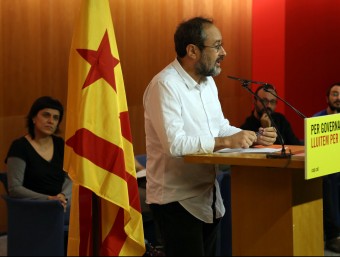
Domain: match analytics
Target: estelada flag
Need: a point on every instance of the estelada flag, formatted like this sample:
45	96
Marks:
105	214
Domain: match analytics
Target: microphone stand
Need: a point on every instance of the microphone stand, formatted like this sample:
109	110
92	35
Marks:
265	88
283	155
297	111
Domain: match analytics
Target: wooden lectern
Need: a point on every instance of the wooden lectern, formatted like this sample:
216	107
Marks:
275	211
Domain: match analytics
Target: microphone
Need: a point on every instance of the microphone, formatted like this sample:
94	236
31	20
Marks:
245	84
248	80
267	87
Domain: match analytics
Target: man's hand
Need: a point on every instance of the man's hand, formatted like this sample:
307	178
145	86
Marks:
242	139
266	136
265	121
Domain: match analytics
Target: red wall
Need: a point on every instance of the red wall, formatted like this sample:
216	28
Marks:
296	47
268	54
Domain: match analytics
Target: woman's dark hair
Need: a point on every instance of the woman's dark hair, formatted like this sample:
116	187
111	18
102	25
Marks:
39	104
190	32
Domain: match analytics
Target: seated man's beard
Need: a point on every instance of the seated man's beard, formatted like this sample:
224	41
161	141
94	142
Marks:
262	111
334	108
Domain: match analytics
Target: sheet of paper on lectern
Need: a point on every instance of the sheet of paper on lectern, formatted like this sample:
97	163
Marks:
249	150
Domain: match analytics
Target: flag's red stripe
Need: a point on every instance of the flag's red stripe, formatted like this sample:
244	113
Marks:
107	156
85	221
125	126
99	151
115	240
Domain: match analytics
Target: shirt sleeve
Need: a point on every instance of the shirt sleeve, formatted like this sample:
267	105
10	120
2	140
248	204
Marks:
227	129
67	187
15	173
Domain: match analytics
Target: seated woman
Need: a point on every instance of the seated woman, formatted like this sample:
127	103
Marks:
35	160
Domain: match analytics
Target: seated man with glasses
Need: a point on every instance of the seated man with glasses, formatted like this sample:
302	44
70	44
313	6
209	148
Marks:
259	117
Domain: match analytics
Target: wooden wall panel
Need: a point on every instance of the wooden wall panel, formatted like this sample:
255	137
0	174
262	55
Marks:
35	41
144	31
35	38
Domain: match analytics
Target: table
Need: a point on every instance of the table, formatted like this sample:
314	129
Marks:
275	211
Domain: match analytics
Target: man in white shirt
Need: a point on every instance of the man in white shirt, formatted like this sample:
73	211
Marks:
183	116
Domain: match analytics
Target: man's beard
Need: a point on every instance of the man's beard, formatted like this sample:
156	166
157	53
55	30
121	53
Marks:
260	112
334	108
205	71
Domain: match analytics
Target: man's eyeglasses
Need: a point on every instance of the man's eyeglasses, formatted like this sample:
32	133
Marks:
217	47
266	101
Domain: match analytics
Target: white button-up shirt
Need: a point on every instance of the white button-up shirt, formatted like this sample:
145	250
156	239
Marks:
183	117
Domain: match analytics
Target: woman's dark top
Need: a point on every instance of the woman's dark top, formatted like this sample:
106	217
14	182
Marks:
42	176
